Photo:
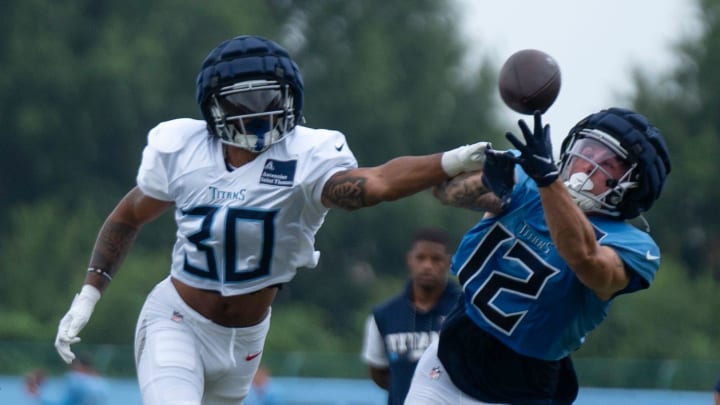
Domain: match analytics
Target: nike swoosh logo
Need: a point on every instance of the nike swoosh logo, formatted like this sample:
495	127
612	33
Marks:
339	147
249	357
650	256
543	159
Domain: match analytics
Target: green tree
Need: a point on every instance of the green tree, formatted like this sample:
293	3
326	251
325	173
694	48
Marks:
84	81
676	317
82	84
390	77
684	104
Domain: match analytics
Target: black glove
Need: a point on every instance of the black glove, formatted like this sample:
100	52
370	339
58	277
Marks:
499	174
536	154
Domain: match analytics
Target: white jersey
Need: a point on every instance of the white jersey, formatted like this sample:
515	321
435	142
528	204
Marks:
242	230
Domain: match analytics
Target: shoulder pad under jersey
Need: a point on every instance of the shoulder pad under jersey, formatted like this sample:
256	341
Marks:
171	136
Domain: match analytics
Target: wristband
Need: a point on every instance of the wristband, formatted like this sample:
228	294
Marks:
100	272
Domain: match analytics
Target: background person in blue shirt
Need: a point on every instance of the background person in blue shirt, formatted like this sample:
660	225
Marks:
399	330
81	385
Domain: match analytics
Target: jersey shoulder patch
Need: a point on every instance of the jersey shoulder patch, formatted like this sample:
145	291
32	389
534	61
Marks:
171	136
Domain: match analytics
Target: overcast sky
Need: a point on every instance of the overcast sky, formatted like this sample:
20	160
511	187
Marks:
595	42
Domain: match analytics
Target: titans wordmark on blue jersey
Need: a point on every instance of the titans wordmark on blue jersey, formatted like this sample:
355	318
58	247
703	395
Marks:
241	230
519	289
407	332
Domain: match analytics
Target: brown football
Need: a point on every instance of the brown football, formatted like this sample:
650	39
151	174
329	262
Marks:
529	80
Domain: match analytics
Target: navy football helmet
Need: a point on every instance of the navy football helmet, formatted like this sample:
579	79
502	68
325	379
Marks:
250	92
622	141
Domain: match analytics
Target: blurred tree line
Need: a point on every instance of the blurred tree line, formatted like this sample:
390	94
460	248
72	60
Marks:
82	82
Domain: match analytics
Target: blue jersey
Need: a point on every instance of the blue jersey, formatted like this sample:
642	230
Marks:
517	287
407	332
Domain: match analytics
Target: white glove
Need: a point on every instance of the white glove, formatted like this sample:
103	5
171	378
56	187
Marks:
466	158
76	318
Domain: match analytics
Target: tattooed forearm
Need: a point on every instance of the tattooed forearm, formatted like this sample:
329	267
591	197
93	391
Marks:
112	245
458	195
118	234
467	191
348	192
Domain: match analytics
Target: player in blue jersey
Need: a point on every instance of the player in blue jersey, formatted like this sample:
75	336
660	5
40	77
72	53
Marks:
250	187
543	266
400	329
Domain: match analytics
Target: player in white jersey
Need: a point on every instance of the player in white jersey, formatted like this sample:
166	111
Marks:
250	187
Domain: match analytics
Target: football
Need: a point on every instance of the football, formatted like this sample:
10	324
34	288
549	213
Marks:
529	80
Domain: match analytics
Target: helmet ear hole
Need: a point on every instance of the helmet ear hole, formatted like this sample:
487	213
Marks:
614	199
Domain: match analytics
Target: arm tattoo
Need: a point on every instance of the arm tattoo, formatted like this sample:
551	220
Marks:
112	245
467	191
346	192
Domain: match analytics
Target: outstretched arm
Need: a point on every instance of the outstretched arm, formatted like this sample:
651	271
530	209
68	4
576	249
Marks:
399	177
598	267
467	191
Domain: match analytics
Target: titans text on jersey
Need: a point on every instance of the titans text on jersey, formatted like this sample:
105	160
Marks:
244	229
523	293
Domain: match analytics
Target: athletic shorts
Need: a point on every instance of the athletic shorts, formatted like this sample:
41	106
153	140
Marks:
486	369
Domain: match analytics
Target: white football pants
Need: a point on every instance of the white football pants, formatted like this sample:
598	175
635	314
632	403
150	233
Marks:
183	358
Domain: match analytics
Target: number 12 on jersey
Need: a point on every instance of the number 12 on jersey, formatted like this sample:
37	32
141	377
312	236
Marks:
499	282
